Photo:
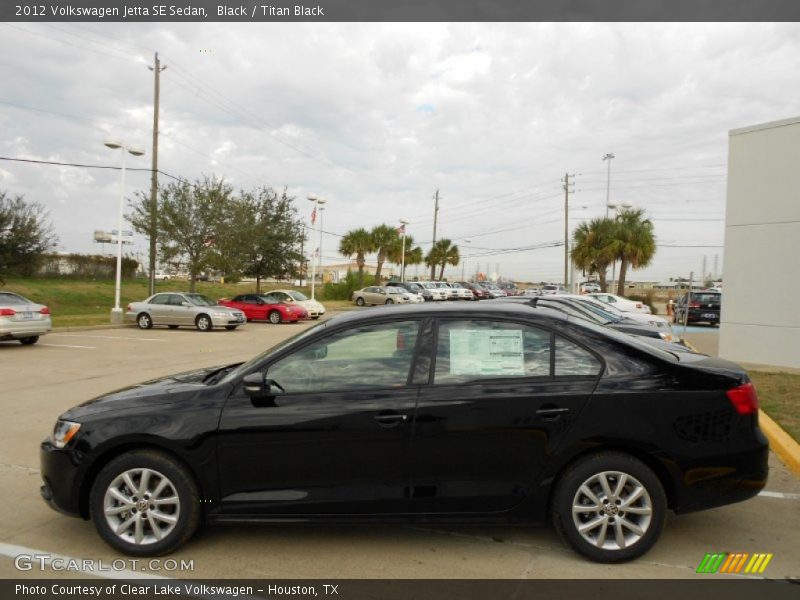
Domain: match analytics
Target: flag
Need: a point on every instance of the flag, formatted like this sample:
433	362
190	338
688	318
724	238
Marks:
402	229
314	215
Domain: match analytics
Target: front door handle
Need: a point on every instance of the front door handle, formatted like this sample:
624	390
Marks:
391	420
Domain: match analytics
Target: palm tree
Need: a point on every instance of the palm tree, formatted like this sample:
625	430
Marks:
413	254
634	243
384	239
592	250
443	253
358	242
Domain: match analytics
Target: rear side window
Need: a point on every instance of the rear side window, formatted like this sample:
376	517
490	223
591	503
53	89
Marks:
471	350
159	299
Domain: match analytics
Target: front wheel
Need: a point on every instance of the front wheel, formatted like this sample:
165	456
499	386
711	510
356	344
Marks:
390	301
203	323
360	301
274	317
29	341
144	503
610	507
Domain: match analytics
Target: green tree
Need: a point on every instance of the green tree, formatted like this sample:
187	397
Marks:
358	242
189	215
384	239
443	253
413	253
26	236
265	235
633	243
592	250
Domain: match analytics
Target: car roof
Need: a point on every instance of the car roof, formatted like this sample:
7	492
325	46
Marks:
473	310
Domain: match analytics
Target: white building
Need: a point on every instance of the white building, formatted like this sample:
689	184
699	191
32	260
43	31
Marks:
761	298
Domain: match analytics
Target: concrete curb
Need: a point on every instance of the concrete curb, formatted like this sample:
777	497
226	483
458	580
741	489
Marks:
780	442
89	327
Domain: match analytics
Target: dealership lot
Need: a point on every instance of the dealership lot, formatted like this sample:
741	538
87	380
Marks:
40	382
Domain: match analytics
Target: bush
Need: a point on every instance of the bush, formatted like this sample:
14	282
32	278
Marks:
647	299
345	288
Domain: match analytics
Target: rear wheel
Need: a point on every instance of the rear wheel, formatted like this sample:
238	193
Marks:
390	301
29	341
144	503
610	507
144	321
203	323
274	317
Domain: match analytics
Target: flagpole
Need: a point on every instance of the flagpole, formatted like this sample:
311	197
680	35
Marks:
403	253
317	201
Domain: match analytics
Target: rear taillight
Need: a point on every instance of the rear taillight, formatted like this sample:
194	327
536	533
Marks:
128	308
7	312
694	305
744	399
45	311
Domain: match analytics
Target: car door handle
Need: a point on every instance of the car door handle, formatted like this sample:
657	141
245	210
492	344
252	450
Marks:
391	420
551	413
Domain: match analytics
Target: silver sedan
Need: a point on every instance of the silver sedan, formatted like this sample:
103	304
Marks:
21	319
177	308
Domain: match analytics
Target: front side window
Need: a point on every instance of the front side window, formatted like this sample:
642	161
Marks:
365	357
200	300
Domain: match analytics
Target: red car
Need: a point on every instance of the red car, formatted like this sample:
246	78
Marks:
265	308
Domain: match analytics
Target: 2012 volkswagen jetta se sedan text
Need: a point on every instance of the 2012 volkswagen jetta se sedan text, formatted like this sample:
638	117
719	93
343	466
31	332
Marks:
437	413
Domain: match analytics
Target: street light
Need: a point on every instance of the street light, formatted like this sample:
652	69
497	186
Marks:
116	312
403	224
317	202
608	157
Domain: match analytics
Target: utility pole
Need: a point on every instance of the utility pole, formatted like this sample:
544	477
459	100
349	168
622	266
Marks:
567	183
705	273
302	256
154	175
435	219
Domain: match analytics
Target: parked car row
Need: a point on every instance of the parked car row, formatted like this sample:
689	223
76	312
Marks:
176	309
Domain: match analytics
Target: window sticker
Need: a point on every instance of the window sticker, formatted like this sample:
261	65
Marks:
486	352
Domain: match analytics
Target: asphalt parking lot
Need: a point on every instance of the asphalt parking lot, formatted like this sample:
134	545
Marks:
39	382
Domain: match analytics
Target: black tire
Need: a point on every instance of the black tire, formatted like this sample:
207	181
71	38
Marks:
315	318
144	321
390	301
231	327
612	465
203	323
172	326
360	301
164	467
29	341
274	317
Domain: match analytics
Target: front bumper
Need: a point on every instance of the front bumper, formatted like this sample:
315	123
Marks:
232	319
61	479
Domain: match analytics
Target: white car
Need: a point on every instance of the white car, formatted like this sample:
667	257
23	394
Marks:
314	308
22	320
161	276
622	304
550	290
645	318
463	292
437	293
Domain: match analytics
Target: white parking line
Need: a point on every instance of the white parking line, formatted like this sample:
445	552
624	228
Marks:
106	337
780	495
67	346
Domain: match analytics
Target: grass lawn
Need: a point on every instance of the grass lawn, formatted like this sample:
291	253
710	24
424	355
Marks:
779	394
75	302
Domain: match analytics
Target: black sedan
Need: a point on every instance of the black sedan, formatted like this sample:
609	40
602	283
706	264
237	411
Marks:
478	413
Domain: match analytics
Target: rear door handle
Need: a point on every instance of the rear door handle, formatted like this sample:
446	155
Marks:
391	420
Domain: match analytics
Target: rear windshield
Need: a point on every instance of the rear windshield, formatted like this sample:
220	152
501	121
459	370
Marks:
6	298
706	298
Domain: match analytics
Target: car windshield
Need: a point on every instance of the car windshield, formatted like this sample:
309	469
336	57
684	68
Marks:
429	286
608	313
414	287
298	296
200	300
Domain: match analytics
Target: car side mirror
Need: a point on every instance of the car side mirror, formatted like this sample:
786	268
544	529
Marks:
261	389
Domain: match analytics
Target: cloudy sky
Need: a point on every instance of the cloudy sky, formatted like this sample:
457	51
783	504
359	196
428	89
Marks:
377	117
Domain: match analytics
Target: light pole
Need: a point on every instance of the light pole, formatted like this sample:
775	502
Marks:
608	157
116	312
317	202
321	273
403	224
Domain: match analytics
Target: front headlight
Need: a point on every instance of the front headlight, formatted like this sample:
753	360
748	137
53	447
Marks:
63	432
667	337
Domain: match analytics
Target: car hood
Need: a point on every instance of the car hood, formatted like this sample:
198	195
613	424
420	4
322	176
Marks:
165	390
